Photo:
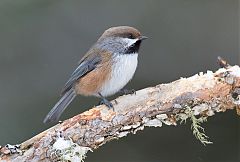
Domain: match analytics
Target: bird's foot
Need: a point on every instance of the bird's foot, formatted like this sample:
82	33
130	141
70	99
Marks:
127	91
104	101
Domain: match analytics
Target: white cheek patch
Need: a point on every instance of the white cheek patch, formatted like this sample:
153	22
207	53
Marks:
129	42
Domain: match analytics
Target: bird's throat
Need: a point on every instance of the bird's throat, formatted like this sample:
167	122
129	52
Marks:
134	48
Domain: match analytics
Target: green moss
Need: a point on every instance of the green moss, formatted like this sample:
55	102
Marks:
197	129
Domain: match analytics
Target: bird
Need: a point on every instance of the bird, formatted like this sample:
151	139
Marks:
104	70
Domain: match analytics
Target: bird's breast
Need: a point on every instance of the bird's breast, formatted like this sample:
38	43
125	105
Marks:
122	71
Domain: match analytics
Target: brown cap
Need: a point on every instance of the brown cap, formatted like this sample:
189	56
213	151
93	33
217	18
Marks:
121	31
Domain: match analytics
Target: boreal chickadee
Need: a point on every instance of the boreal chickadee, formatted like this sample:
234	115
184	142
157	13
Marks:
104	70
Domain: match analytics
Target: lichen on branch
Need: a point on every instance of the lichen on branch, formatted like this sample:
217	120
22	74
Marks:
194	98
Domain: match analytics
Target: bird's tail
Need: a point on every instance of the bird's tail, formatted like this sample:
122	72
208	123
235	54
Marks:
60	106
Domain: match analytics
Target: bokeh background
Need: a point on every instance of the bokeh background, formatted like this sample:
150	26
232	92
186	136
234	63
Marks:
42	41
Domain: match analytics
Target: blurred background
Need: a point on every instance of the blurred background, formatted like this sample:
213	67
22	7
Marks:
42	41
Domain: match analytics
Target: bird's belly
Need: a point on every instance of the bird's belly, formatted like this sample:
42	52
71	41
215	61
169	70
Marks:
123	69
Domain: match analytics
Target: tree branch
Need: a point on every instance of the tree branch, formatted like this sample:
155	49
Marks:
196	97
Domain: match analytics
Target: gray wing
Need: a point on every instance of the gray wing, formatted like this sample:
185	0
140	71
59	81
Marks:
86	65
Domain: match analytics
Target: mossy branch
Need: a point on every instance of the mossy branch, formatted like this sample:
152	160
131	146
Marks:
194	98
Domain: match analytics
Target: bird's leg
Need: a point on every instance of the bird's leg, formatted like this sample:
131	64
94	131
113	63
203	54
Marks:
104	101
127	91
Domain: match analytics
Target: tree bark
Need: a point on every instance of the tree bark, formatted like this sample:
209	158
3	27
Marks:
205	94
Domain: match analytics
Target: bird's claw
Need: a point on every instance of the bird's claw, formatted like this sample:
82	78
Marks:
104	101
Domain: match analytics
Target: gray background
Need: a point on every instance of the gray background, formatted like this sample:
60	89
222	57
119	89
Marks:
42	41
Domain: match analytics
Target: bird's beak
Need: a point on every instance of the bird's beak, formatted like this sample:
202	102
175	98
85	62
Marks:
142	38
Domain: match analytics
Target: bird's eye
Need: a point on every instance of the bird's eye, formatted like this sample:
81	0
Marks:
131	36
